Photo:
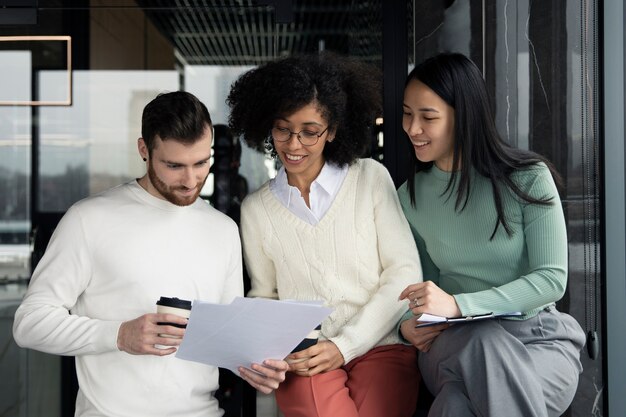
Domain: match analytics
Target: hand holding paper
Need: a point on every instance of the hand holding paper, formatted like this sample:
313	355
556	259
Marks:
247	331
267	376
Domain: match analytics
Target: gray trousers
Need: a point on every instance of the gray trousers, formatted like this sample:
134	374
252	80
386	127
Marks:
506	368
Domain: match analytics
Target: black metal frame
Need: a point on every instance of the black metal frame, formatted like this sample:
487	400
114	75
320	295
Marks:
396	156
613	126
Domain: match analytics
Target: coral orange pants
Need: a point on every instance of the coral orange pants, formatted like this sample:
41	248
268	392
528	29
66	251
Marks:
383	382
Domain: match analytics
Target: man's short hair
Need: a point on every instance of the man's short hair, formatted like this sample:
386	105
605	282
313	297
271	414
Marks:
178	116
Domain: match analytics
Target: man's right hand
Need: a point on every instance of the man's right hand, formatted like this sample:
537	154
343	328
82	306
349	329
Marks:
139	336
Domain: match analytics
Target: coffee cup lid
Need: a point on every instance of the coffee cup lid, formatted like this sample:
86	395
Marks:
174	302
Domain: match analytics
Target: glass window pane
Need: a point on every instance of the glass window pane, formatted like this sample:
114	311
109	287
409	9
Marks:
92	145
15	177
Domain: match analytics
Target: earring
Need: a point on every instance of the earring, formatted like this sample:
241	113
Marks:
268	145
144	159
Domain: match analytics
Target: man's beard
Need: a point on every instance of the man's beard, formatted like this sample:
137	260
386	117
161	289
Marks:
169	192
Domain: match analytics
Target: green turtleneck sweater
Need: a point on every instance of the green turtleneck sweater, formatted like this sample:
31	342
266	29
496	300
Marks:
522	272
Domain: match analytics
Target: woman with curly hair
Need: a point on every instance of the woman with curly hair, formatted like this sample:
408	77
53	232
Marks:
329	227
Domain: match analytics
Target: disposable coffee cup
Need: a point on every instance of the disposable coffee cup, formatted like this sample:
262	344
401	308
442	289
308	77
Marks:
175	306
307	342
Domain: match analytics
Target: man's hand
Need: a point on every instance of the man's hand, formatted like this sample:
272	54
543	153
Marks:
139	336
265	377
321	357
422	337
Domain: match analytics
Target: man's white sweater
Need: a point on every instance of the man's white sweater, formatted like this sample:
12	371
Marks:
357	259
109	260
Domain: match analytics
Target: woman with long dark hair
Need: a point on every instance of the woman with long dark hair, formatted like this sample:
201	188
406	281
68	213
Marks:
489	226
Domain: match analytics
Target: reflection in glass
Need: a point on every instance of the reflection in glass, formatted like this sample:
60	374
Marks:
211	84
22	58
15	150
92	145
15	79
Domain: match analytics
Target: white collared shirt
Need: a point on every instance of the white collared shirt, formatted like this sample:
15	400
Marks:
323	192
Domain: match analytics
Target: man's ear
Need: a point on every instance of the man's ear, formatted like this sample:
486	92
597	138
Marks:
142	148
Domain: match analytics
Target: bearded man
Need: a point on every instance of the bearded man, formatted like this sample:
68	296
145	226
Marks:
93	294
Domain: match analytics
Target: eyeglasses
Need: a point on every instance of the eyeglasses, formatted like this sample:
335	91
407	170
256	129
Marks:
306	137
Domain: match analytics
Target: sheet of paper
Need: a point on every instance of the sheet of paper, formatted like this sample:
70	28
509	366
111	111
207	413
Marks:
249	330
430	318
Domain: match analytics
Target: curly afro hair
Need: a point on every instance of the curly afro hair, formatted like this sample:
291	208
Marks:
348	94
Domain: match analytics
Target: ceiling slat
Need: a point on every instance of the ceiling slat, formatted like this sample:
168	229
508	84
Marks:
244	32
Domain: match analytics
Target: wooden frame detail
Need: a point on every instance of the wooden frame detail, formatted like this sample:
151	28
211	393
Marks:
68	100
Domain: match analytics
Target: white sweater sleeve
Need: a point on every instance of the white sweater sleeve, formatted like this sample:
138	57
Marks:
400	267
259	266
234	279
43	321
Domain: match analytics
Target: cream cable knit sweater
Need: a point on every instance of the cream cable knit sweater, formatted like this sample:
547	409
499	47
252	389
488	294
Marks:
358	258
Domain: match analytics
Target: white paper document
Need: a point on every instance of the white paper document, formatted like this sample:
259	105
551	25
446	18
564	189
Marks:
249	330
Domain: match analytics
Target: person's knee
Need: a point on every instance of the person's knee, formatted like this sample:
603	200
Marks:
486	338
469	349
558	402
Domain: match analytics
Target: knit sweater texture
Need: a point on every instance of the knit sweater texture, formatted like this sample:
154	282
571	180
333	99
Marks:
524	272
109	260
357	259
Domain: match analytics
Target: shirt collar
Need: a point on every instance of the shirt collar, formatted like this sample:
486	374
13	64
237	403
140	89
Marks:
326	181
280	187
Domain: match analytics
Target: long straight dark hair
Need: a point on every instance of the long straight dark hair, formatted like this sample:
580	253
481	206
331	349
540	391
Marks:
477	144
